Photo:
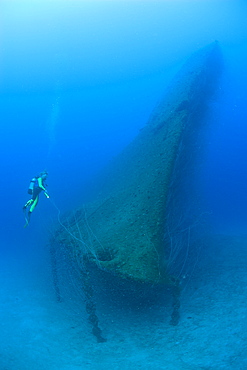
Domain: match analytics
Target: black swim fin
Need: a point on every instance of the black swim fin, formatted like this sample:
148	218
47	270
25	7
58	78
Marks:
27	218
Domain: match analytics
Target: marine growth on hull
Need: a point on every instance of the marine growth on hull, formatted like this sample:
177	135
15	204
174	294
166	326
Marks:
123	229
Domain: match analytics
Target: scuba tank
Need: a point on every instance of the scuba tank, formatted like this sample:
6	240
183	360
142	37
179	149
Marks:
31	186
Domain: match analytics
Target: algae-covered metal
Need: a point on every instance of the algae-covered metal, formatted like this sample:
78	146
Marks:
122	229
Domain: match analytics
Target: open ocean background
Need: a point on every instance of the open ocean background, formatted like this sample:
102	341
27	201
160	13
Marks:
78	80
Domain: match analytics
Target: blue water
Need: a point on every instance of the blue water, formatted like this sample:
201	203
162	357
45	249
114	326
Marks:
79	79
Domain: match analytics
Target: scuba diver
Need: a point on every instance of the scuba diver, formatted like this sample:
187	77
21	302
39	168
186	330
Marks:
37	184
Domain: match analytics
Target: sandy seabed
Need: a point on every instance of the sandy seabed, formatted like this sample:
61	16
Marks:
38	333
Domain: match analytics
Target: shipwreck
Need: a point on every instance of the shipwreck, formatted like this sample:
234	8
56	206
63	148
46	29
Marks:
122	229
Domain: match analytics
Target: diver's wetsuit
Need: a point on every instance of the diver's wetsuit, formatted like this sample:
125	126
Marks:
32	203
35	197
